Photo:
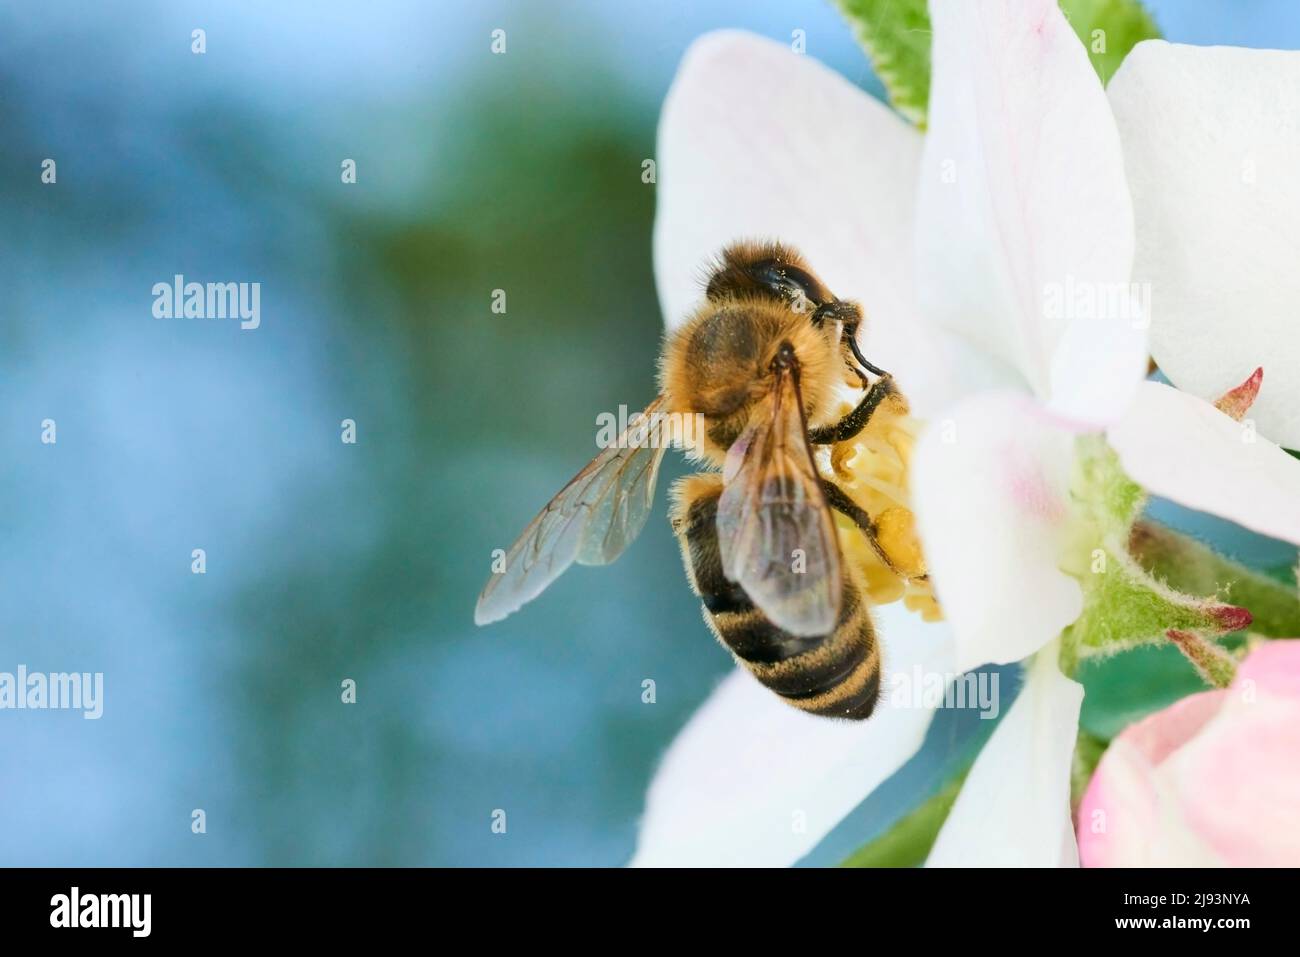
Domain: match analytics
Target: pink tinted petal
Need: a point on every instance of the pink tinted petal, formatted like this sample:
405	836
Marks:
1023	208
1272	668
1124	819
990	484
1211	779
1238	784
1159	735
1184	449
1117	816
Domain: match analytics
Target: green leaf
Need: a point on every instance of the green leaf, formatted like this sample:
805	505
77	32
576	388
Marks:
908	842
896	36
1109	29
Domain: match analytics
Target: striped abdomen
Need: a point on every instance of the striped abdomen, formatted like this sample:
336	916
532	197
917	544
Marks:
837	675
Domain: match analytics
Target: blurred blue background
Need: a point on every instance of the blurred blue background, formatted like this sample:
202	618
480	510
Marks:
328	561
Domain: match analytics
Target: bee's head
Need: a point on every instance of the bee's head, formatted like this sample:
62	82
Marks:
720	363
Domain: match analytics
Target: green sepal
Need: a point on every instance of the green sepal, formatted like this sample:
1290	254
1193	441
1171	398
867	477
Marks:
1124	606
1194	568
1215	666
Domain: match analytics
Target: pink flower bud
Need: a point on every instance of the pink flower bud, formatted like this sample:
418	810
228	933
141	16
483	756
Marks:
1211	780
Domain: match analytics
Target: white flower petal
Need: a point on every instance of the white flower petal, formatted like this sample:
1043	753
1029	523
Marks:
990	486
1212	147
751	781
1186	450
1023	210
756	141
1014	809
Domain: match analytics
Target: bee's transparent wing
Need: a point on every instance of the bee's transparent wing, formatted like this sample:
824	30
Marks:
776	534
591	520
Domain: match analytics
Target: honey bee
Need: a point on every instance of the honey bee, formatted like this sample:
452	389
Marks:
762	361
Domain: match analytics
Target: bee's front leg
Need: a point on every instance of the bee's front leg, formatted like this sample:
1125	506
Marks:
855	421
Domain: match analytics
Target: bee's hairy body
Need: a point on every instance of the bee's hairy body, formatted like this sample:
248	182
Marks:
762	362
719	362
835	675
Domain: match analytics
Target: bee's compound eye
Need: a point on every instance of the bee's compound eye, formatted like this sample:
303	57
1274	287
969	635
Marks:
790	283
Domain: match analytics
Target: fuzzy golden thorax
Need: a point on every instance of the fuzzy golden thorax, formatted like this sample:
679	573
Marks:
719	364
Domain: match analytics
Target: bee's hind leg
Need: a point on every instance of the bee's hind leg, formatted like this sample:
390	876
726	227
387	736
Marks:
839	500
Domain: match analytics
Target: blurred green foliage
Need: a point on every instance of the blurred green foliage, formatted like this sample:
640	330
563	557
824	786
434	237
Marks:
468	421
